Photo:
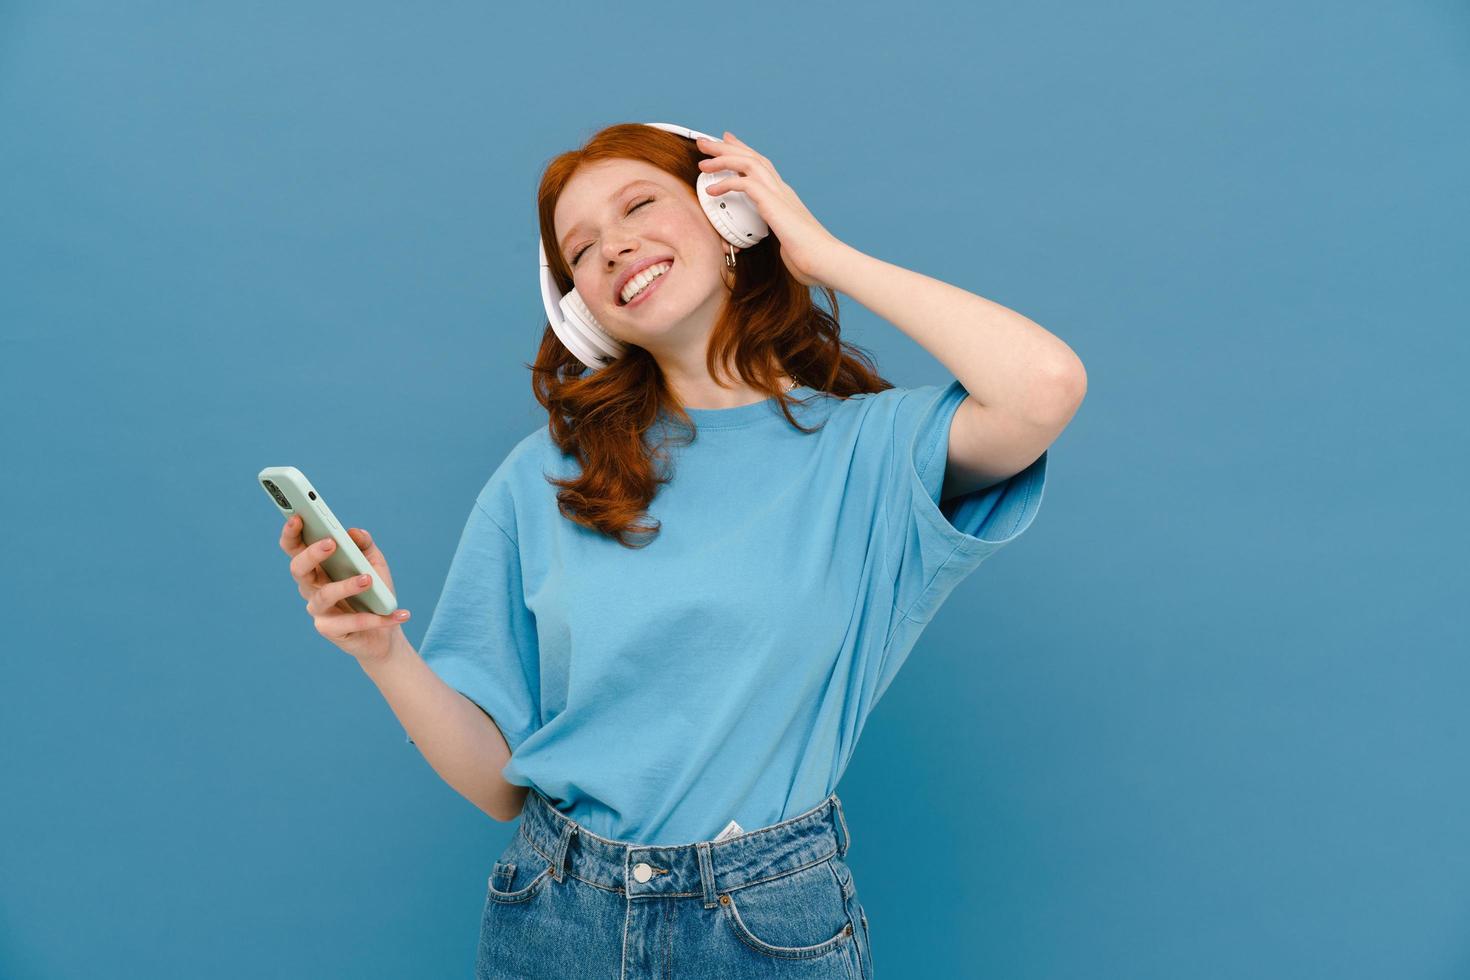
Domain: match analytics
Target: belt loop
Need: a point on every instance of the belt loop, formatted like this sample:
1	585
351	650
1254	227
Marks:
842	821
706	873
559	853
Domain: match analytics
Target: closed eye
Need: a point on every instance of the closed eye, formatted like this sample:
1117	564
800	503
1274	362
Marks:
630	211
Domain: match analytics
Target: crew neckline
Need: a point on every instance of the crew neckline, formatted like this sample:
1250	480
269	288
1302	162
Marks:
727	418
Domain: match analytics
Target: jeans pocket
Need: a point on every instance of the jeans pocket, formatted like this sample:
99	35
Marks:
798	915
519	874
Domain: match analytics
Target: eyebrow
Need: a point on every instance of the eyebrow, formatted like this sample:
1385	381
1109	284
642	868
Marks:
615	195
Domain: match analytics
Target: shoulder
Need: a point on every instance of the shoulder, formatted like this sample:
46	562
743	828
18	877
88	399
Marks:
533	456
535	446
894	407
520	476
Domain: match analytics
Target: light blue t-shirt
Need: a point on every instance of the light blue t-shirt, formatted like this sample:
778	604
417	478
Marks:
725	670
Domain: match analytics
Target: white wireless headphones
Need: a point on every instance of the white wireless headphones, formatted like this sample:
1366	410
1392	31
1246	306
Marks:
734	216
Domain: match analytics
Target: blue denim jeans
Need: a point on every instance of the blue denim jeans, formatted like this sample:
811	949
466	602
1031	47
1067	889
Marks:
778	901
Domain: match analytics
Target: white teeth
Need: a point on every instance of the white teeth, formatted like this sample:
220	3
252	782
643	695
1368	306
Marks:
636	284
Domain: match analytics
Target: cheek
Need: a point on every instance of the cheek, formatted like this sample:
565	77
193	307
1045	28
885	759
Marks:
674	231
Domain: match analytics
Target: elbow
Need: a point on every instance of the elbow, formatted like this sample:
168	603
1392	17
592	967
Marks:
1069	377
1060	388
499	813
511	803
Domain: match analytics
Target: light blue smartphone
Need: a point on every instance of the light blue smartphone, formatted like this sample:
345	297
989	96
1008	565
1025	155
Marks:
292	493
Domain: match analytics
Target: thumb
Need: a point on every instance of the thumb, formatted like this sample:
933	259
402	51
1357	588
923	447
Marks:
364	541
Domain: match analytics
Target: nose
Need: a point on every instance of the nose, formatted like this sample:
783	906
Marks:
614	250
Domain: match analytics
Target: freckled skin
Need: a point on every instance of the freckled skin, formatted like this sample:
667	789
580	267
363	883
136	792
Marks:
673	224
675	325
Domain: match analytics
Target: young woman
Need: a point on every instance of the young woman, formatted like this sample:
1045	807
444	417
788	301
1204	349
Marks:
674	606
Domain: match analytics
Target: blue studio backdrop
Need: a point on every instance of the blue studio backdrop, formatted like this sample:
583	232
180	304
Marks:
1204	719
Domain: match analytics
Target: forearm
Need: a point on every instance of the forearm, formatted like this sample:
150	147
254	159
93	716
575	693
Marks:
1004	359
462	743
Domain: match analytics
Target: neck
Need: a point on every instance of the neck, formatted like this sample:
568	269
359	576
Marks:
711	395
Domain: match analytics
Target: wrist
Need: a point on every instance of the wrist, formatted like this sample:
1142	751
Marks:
398	648
839	266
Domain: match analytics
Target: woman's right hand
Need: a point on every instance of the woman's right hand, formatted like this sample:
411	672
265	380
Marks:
365	635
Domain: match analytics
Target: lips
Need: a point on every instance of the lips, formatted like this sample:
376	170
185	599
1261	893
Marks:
632	271
647	290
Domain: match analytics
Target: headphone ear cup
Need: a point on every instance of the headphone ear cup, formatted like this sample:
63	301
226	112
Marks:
573	323
597	344
733	213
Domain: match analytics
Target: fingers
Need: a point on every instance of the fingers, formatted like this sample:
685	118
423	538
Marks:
732	138
335	627
338	624
740	163
722	162
324	598
364	542
323	595
291	536
308	558
732	142
741	168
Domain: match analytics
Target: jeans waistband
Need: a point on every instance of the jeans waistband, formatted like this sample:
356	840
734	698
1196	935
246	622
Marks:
702	869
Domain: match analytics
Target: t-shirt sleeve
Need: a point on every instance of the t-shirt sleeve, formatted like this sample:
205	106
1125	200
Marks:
482	638
932	547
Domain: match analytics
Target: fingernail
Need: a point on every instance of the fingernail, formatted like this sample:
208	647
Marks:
364	579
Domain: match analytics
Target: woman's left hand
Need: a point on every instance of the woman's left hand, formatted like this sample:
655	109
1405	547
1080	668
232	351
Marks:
805	245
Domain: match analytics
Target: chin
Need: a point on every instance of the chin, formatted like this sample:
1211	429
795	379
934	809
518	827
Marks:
673	310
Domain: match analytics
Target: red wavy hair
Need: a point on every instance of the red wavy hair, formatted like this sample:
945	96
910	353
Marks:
600	417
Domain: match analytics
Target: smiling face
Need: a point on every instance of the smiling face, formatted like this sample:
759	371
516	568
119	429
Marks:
616	214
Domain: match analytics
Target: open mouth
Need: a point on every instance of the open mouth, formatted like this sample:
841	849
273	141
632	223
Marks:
657	282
